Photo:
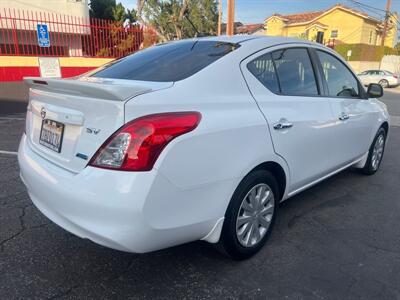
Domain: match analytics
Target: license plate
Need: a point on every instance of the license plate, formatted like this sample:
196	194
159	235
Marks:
51	135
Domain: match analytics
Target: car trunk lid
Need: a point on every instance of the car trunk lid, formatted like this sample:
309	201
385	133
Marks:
68	120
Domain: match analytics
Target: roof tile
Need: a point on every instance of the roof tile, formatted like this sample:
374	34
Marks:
309	16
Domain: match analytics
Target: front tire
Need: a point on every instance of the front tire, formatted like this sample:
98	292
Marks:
251	215
375	153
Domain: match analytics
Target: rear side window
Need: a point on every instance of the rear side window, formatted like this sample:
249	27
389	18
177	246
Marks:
167	62
287	71
263	69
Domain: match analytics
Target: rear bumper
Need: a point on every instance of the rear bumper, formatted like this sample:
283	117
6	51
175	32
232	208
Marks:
393	82
394	85
122	210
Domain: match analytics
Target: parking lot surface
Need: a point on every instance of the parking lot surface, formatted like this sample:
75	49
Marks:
337	240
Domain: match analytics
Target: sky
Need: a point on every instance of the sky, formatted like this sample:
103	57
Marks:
255	11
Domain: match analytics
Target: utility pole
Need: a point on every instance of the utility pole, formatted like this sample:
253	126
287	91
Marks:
230	30
219	17
386	25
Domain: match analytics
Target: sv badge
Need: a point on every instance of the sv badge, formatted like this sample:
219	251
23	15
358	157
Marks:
92	130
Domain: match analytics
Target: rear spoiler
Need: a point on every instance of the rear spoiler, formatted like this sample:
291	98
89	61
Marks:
99	88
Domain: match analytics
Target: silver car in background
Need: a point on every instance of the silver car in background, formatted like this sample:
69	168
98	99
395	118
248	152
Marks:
384	78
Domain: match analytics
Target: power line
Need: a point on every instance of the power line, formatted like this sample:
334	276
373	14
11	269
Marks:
366	5
367	9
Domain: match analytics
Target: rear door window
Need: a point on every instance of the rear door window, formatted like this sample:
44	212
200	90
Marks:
295	72
287	72
167	62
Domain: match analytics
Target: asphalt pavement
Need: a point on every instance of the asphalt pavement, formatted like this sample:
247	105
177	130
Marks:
392	100
337	240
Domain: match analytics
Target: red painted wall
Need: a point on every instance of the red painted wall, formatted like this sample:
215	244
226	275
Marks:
17	73
74	71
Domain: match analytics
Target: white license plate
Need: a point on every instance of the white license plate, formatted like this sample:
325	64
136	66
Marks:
51	135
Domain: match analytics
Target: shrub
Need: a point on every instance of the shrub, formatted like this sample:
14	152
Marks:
365	52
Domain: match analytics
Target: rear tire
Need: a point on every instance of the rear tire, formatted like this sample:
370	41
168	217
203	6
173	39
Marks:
250	216
375	153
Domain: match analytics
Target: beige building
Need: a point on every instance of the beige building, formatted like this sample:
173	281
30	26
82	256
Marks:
75	8
19	20
339	23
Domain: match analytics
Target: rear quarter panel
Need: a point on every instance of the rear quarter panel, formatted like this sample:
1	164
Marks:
207	164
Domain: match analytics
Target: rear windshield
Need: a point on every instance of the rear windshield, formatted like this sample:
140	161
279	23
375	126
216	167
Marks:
167	62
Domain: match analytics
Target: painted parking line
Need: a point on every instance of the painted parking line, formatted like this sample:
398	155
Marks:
8	152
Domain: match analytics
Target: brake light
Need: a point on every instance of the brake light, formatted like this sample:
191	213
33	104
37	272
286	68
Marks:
137	145
395	76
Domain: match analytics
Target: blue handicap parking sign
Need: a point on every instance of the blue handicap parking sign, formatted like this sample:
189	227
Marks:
43	35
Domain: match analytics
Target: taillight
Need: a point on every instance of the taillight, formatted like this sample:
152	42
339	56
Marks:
395	76
137	145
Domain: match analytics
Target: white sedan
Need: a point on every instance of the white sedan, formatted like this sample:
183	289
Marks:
197	139
385	78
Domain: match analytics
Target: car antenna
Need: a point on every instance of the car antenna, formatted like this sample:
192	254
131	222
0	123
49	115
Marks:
198	34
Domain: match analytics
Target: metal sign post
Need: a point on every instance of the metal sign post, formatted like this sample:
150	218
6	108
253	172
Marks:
349	53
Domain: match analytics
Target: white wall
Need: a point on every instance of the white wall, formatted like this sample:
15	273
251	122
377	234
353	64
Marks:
77	8
45	10
391	63
360	66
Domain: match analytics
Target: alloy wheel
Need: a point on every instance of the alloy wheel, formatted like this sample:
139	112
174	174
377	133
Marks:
384	83
377	151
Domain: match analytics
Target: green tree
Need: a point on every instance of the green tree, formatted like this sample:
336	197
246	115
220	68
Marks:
131	14
204	15
110	10
102	9
120	13
176	19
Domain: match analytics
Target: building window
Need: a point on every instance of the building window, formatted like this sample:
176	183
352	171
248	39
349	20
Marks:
334	34
370	37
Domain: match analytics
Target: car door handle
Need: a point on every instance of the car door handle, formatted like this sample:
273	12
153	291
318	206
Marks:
344	117
282	125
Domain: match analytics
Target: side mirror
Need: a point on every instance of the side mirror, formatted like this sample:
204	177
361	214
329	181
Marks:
375	90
